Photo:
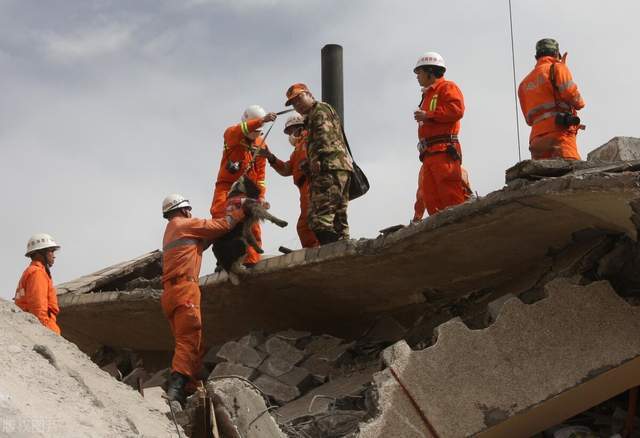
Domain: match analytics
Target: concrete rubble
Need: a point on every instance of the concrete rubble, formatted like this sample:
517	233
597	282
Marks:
49	388
515	314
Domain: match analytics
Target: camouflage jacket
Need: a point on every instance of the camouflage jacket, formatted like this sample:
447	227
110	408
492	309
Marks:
326	144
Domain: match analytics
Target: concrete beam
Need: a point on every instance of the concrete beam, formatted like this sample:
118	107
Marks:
485	244
535	366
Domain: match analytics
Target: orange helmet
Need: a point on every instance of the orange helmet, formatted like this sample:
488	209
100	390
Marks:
294	91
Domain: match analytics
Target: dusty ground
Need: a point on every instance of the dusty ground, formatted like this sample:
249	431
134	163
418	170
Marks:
48	388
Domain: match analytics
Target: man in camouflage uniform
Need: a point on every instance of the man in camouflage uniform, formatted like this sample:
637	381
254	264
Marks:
330	165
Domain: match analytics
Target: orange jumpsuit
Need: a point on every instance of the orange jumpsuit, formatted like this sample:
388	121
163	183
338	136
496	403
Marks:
442	184
183	243
293	167
238	148
418	206
35	294
540	102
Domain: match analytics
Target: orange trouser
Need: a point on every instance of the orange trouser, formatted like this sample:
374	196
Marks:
559	144
181	305
53	324
218	210
307	237
442	184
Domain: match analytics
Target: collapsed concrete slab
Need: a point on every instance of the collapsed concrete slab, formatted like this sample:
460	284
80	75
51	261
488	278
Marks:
49	388
485	245
617	149
533	367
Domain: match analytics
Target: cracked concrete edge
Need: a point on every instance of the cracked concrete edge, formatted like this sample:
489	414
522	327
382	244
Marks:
495	380
366	247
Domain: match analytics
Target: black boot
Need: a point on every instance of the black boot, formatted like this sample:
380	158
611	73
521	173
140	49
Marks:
175	390
325	237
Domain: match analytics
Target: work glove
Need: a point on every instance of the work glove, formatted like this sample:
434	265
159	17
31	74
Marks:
266	153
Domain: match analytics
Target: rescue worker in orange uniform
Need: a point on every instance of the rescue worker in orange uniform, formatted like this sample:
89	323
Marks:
438	117
35	292
549	100
185	238
241	142
297	166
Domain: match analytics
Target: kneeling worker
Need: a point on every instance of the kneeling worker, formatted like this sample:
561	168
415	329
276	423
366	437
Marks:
185	238
35	292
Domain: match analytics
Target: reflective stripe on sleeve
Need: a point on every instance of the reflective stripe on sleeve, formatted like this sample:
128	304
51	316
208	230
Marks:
180	242
562	87
244	127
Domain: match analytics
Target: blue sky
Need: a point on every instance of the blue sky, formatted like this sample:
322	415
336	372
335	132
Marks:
110	105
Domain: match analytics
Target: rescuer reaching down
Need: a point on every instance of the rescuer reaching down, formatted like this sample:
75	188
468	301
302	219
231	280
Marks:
241	143
549	100
298	167
438	116
35	292
185	238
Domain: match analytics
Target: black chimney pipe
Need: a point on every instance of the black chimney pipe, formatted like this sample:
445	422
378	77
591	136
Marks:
332	78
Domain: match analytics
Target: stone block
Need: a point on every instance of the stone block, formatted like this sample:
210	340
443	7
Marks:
319	369
321	343
292	336
277	390
275	366
228	369
617	149
253	339
211	358
282	349
240	353
158	379
297	377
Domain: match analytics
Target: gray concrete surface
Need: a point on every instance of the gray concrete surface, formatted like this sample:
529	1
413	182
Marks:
571	350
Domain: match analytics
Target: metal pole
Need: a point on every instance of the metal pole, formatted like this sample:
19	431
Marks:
332	78
515	90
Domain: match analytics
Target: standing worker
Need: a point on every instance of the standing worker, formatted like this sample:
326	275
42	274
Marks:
330	165
35	292
549	100
297	166
241	143
438	117
185	238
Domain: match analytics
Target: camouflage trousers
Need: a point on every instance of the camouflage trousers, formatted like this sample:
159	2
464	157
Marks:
329	196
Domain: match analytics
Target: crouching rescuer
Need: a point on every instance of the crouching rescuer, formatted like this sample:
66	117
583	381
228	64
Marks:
438	116
185	238
35	292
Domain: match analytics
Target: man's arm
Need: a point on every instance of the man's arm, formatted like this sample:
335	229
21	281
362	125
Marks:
234	134
36	294
521	96
567	89
450	105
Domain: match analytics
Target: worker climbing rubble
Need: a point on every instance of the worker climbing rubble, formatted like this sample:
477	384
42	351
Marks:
438	117
549	100
239	157
298	167
185	238
330	165
35	292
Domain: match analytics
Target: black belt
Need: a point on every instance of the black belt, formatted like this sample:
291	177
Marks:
438	139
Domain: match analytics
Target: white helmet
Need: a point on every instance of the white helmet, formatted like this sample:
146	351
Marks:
40	241
253	112
294	120
430	58
174	202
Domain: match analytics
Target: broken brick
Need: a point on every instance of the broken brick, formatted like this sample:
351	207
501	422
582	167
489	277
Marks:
233	369
282	349
279	391
240	353
275	366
